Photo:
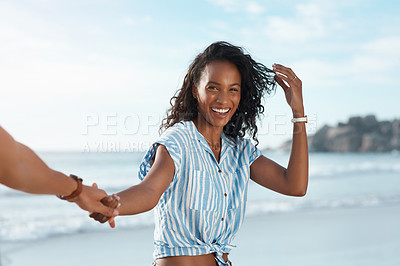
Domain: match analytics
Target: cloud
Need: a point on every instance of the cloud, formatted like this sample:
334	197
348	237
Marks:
378	61
233	6
227	5
25	37
311	21
129	21
44	81
384	47
317	73
309	10
254	8
298	30
135	21
39	63
375	64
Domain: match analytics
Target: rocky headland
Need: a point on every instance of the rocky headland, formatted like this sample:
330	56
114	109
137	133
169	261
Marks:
359	134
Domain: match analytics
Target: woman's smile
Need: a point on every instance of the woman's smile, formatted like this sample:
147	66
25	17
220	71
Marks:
220	112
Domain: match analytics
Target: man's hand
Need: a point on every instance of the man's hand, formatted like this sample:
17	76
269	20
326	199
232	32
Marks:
91	199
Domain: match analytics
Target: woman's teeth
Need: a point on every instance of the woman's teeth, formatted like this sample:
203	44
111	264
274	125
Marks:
221	111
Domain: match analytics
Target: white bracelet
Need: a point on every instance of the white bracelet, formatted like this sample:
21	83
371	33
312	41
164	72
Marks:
300	119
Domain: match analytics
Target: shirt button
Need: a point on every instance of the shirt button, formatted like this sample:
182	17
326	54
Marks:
219	171
225	194
222	219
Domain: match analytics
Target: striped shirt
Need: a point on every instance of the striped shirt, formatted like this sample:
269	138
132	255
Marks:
203	208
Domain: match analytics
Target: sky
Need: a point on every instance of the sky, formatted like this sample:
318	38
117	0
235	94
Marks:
97	76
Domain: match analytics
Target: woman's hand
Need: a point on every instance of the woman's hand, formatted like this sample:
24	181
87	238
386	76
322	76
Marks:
292	87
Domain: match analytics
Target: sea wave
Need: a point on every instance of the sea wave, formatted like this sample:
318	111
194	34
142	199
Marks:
50	222
267	207
353	168
373	180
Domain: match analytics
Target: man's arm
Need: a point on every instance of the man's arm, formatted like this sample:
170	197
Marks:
22	169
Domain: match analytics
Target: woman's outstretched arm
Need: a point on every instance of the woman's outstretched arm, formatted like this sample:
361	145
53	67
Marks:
145	196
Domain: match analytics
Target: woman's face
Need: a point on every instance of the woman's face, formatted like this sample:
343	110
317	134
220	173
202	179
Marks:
218	93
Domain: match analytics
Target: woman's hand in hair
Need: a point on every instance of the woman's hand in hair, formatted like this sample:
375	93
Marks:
292	86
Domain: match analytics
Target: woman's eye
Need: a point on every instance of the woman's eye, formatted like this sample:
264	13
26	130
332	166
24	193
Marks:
212	88
234	89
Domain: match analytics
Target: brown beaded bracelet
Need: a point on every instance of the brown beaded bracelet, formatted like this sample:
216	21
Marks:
77	191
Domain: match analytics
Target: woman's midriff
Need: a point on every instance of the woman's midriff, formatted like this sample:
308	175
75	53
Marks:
201	260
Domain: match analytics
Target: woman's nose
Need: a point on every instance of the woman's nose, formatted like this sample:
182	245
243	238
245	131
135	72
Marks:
222	97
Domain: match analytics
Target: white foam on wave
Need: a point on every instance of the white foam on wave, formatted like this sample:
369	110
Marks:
327	170
267	207
31	225
49	222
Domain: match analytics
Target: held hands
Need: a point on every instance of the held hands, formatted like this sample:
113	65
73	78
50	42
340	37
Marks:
112	202
292	87
96	200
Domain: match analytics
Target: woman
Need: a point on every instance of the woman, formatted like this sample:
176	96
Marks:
197	173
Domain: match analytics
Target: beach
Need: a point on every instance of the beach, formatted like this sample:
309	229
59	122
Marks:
345	236
350	216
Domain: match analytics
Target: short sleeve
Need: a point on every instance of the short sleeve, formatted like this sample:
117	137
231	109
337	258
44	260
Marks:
173	148
254	152
172	144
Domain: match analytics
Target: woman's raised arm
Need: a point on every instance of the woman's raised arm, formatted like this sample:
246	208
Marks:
292	180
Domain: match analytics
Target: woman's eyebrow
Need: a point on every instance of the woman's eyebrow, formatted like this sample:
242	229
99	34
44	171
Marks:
216	83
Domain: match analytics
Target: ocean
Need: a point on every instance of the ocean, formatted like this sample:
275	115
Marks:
337	181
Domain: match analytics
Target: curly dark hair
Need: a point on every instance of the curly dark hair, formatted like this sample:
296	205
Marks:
256	79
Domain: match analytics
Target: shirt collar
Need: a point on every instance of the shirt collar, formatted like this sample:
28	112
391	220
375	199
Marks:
196	135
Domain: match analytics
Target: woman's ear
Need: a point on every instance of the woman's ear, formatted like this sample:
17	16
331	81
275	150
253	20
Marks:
194	92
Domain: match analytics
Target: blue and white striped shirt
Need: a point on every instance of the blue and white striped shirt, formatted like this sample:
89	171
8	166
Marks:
203	208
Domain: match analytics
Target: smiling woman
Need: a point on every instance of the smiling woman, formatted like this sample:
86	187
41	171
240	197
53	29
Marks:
218	97
197	173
